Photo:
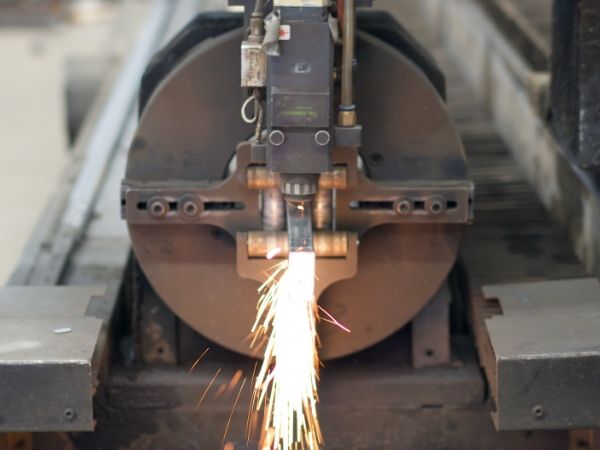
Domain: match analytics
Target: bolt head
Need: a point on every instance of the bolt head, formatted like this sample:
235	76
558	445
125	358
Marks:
436	205
404	207
158	208
276	138
322	137
69	414
190	208
538	411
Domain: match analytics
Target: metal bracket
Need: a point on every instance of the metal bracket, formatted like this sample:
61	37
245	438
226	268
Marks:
234	204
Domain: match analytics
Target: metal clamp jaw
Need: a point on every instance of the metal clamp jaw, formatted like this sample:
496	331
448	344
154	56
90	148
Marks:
234	205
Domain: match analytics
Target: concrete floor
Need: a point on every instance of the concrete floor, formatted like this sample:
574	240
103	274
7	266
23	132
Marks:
32	114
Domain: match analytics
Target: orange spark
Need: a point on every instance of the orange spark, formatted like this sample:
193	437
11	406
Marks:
207	389
286	385
233	410
251	403
198	360
333	320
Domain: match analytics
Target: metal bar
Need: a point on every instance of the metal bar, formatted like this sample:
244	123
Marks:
349	32
328	244
259	177
300	228
357	208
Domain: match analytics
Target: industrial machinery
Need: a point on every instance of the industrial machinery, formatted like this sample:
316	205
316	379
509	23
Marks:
289	126
347	146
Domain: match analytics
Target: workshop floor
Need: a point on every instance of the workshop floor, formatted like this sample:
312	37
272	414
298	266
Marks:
34	144
37	62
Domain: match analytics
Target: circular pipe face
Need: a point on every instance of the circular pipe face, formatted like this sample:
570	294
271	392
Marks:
190	129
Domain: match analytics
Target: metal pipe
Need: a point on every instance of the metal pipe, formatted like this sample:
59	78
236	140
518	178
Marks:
273	209
257	22
347	114
259	6
322	209
258	177
327	244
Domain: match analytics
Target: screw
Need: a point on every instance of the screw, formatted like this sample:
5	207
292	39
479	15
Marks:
538	411
69	414
404	207
436	205
322	137
277	138
158	208
190	208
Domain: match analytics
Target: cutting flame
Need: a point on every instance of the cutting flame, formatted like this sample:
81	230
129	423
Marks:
286	385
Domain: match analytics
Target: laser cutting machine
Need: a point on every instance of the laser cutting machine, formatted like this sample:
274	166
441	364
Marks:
303	125
358	136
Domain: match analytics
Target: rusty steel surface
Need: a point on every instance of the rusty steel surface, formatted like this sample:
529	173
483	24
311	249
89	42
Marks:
189	132
371	401
328	244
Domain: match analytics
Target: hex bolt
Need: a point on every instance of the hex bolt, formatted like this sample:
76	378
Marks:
436	205
190	208
158	208
69	414
538	411
404	207
322	137
276	138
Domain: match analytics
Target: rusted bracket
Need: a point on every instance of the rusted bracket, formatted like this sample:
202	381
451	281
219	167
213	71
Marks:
234	204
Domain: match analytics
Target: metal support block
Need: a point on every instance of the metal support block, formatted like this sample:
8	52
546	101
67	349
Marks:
545	352
431	332
46	350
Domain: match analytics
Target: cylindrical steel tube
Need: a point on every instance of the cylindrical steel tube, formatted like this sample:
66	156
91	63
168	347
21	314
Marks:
349	32
328	244
273	209
336	179
258	177
322	209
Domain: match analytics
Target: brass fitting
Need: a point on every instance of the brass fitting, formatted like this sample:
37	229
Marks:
347	118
